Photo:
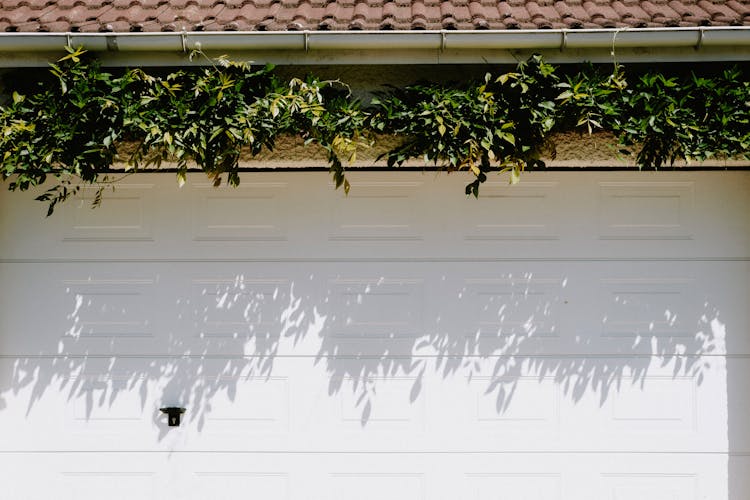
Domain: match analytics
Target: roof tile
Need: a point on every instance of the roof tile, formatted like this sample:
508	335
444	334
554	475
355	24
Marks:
55	26
69	4
265	15
599	13
31	26
717	10
742	9
541	13
690	13
579	13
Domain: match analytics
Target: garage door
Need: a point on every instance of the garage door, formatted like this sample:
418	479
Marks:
577	336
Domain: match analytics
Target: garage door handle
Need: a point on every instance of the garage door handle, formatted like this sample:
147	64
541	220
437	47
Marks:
173	415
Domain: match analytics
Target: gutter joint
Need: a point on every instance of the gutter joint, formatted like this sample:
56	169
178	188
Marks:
112	43
701	35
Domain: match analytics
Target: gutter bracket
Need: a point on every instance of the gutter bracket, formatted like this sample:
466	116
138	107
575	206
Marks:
307	40
443	40
69	39
564	41
112	44
183	40
613	52
701	34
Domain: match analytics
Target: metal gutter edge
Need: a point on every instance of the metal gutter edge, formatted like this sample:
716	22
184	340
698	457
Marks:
379	46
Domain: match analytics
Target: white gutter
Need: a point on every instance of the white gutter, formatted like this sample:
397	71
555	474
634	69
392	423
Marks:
378	47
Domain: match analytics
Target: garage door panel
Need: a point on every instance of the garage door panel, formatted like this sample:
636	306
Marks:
531	485
256	408
506	406
129	225
514	213
598	404
667	405
71	477
376	308
648	485
78	309
666	312
250	213
399	217
369	485
323	476
524	306
109	309
646	307
316	476
69	403
127	217
672	307
223	485
244	313
637	210
666	218
559	411
130	484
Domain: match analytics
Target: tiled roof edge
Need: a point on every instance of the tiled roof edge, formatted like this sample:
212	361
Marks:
378	47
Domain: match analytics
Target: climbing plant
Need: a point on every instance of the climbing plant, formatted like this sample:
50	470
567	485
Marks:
72	128
502	123
67	131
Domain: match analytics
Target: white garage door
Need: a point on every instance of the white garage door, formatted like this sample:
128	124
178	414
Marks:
580	336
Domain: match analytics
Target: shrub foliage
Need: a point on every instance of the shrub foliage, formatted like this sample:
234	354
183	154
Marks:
67	130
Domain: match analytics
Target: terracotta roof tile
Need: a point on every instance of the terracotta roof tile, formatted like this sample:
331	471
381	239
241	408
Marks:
717	10
547	13
690	13
579	13
599	13
743	9
267	15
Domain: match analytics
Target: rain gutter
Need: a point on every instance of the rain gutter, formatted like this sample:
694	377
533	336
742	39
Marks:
387	47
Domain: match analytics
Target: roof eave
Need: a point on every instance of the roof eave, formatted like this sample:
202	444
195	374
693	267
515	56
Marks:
387	47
